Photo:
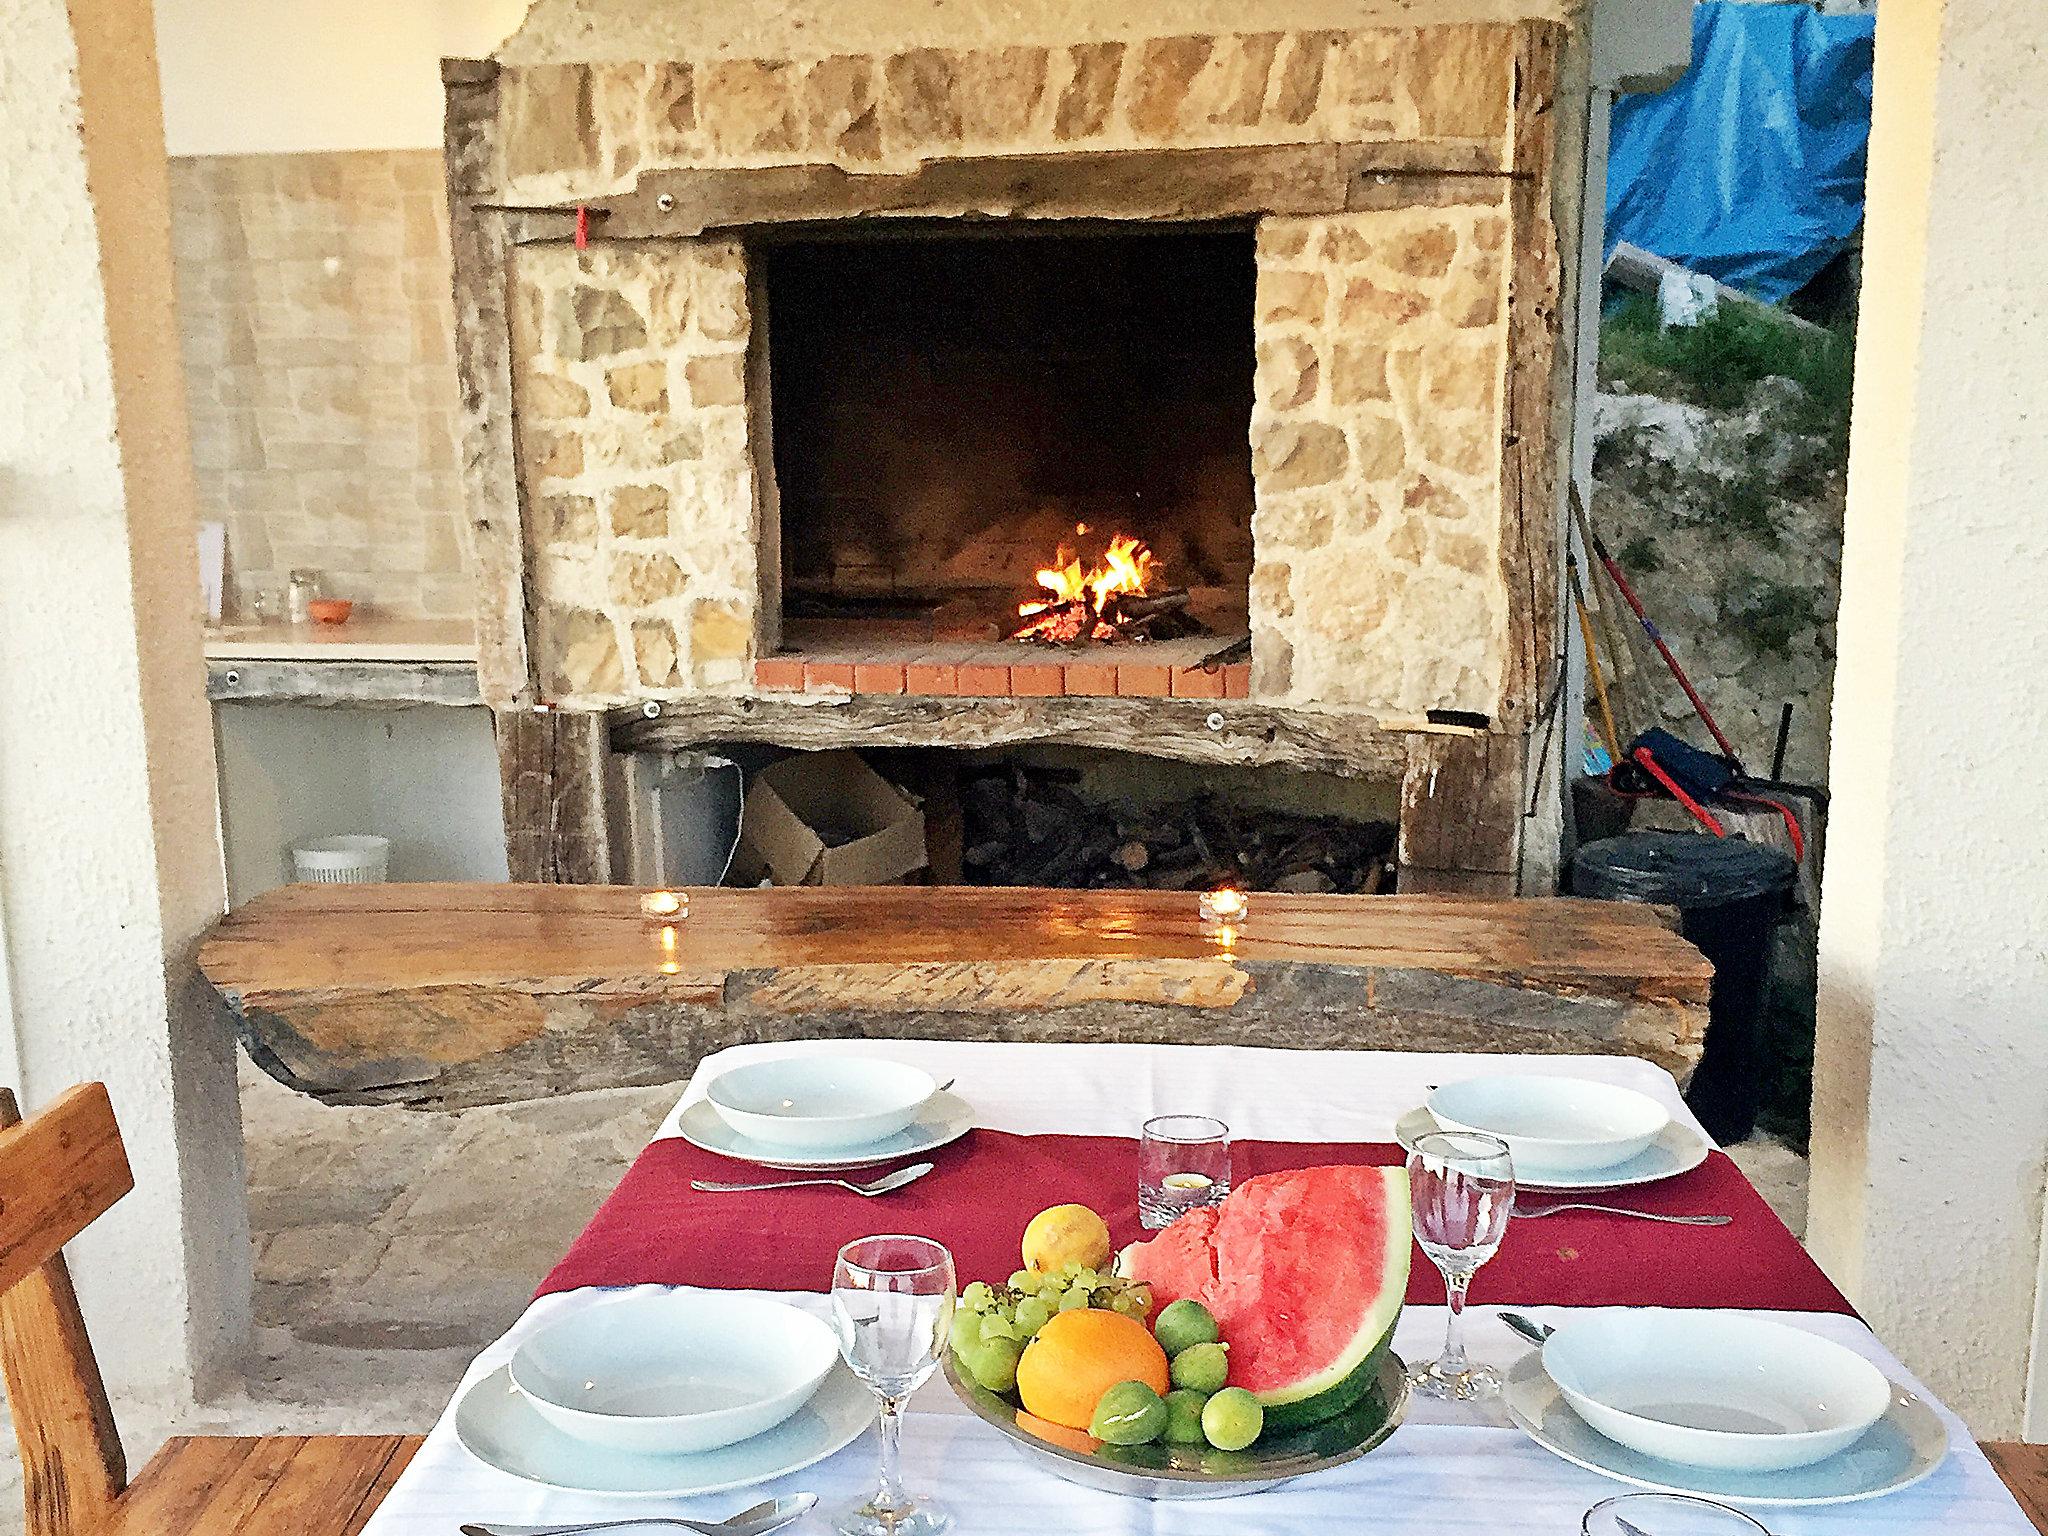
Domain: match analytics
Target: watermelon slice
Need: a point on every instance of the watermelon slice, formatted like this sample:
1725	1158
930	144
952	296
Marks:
1305	1271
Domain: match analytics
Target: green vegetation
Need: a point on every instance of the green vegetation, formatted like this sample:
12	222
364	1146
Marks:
1717	362
1769	617
1741	505
1639	555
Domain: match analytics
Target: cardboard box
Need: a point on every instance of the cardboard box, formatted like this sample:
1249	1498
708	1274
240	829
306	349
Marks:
827	818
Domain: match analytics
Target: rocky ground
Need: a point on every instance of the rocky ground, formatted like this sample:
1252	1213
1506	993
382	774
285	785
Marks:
1728	522
391	1246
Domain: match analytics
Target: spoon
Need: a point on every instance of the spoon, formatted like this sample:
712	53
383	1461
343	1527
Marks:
882	1186
769	1515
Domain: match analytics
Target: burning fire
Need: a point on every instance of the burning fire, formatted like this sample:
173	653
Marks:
1083	605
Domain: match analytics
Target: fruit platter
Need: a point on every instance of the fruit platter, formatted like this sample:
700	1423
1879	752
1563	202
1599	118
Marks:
1246	1344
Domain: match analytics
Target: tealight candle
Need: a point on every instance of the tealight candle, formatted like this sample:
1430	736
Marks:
1227	905
664	906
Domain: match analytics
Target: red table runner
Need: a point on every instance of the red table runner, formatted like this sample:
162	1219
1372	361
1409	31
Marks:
655	1229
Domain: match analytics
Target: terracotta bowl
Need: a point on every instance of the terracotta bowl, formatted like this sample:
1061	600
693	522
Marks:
330	610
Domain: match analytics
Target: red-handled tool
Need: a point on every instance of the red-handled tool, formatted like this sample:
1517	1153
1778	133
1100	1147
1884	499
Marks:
1628	595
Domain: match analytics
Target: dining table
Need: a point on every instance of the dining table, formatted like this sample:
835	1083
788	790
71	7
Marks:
1058	1122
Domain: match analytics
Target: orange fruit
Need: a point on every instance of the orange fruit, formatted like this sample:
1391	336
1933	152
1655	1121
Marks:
1080	1355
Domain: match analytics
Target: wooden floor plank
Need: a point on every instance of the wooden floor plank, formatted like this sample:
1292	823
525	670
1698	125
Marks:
2025	1470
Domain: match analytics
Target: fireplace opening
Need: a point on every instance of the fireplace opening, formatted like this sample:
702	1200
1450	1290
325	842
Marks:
1044	427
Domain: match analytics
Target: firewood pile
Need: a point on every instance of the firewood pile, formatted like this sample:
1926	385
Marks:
1030	827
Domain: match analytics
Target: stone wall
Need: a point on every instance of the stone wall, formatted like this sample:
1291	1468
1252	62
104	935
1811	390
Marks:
1380	340
584	130
631	400
1376	436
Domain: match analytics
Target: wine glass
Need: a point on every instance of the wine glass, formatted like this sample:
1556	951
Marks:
1666	1514
892	1305
1462	1187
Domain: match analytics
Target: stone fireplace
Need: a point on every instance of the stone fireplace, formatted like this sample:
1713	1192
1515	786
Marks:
784	374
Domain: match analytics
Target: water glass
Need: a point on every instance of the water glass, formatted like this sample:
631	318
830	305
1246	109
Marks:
1183	1163
1462	1187
1666	1514
892	1306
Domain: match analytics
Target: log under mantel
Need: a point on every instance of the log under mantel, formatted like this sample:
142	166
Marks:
447	996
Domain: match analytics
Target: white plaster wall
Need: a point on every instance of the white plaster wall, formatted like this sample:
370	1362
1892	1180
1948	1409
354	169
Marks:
263	77
1931	1093
427	778
109	866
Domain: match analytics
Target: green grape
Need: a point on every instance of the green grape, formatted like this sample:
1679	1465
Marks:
1026	1280
978	1297
966	1332
1074	1301
1033	1314
995	1365
995	1327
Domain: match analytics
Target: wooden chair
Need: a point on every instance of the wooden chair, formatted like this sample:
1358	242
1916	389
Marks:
58	1172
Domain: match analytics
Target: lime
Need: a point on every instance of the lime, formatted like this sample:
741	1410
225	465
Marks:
1185	1324
1184	1417
1201	1367
1232	1419
1129	1413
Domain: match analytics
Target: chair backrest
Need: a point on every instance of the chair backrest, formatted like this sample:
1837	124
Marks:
58	1172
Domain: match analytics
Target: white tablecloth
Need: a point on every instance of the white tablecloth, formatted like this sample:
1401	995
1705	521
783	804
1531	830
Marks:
1448	1469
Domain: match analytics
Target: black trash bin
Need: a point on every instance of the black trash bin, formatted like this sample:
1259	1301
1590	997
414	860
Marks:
1730	893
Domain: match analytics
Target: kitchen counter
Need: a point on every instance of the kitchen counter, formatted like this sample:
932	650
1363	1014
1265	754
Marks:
363	639
369	661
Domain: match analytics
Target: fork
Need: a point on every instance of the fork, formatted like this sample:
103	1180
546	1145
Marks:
769	1515
873	1187
1622	1210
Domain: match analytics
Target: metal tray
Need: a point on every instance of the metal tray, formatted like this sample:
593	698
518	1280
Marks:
1161	1471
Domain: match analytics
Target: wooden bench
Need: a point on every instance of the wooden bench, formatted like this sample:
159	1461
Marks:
444	996
58	1173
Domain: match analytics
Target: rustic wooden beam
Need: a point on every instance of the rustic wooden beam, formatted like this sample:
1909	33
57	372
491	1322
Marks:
1225	733
1462	805
1180	183
452	995
555	772
483	367
355	684
1539	387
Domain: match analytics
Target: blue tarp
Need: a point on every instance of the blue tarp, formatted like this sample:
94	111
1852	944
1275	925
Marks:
1750	168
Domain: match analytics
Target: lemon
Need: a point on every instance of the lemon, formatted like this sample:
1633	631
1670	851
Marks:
1066	1234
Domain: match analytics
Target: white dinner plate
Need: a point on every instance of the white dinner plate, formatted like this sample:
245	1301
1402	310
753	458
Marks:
500	1428
944	1119
1679	1150
1900	1449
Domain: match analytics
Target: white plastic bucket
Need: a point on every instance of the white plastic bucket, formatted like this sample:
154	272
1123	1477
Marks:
356	859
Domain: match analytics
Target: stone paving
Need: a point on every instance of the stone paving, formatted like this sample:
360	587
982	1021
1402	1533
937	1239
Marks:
391	1245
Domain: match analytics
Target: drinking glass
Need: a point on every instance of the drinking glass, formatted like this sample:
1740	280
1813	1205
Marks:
1666	1514
1462	1186
892	1305
1183	1162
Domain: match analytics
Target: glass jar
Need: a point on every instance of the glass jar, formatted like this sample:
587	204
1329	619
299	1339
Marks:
303	587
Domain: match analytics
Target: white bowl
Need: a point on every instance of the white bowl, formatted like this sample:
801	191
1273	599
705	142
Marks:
819	1103
1553	1124
667	1372
1714	1389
